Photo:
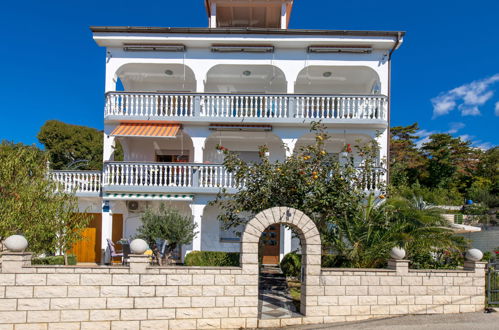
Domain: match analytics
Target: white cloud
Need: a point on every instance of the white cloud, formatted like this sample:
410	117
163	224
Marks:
497	109
455	127
466	98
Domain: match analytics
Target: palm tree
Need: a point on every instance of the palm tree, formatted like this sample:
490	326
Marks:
365	240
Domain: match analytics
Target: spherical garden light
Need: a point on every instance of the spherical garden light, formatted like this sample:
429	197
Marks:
16	243
138	246
474	255
397	253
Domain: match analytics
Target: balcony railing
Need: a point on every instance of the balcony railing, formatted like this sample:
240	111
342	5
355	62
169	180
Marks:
79	182
247	107
166	177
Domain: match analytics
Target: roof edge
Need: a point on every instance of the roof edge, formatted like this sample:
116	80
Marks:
248	30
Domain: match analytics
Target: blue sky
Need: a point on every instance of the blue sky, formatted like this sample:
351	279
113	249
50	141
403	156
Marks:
445	76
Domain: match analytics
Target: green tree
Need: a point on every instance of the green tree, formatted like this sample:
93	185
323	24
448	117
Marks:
311	180
406	160
73	147
451	161
31	205
168	224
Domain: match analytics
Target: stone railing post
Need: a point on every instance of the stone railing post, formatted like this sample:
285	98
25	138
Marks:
397	261
138	263
400	266
14	262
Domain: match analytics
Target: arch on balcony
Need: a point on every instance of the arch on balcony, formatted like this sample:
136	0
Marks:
232	78
149	149
310	239
335	143
157	77
323	79
245	143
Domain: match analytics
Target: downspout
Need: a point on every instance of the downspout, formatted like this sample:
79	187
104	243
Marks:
397	43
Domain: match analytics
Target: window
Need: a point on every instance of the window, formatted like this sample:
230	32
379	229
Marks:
231	235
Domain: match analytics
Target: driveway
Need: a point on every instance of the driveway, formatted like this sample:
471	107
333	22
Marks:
465	321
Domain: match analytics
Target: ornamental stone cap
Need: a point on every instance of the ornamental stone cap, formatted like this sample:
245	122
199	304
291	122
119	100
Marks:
474	255
397	253
16	243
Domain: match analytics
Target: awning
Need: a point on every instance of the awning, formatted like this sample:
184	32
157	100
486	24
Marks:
146	129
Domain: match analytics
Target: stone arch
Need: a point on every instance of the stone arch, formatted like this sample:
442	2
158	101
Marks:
311	249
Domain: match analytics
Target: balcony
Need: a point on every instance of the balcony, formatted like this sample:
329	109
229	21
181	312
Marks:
82	183
247	108
166	177
163	178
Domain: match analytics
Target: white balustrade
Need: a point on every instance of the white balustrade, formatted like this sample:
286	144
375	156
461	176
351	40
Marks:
180	175
373	180
341	107
216	176
148	174
149	104
77	181
213	106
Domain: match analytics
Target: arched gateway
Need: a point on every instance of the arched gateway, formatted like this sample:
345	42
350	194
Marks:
311	249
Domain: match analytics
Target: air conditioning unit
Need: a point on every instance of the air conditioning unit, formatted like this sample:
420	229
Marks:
136	206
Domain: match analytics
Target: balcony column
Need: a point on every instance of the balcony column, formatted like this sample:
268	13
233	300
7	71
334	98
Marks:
106	230
198	143
109	144
285	241
197	216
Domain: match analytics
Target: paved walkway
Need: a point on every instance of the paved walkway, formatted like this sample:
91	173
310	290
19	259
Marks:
465	321
274	298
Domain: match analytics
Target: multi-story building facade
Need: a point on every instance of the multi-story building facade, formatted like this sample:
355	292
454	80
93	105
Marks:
173	94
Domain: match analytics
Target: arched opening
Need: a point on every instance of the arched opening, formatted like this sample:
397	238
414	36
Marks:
322	79
336	143
177	149
245	144
168	77
310	257
231	78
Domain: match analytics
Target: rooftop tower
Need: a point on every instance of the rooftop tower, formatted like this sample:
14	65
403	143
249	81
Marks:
249	13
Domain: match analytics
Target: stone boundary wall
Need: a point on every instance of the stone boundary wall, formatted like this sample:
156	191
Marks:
143	297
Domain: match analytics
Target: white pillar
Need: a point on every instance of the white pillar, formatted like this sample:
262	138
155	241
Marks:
109	147
106	226
213	16
197	217
285	241
284	16
289	144
383	144
291	87
198	143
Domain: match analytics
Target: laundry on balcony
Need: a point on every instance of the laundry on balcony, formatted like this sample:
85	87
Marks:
146	130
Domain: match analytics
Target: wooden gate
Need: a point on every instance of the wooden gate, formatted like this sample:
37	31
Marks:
271	238
89	248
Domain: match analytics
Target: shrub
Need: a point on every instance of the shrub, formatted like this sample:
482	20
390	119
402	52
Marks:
332	261
291	265
54	260
212	258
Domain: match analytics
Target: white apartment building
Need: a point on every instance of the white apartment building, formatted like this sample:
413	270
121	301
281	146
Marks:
173	94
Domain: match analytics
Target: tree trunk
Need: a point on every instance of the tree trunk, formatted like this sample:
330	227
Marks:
65	259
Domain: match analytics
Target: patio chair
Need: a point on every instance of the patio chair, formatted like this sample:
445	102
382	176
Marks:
112	249
126	253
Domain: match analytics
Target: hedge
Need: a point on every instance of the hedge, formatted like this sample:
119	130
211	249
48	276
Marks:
54	260
291	264
212	258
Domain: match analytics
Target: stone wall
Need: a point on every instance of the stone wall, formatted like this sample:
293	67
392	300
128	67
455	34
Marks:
143	297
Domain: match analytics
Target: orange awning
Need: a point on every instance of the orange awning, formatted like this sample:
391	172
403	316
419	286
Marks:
146	129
